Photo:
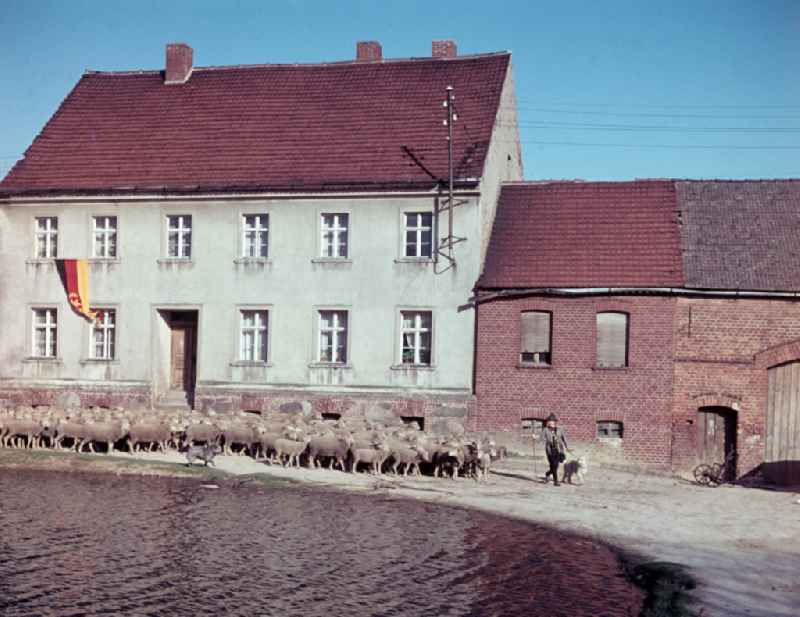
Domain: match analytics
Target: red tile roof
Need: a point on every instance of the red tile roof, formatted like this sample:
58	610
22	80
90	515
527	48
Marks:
584	234
339	126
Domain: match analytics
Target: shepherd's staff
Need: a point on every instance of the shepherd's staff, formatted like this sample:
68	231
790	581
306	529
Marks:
535	471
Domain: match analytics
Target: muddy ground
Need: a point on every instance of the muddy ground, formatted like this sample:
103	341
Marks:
741	544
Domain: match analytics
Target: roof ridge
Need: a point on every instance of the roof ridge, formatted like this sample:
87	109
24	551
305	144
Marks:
353	62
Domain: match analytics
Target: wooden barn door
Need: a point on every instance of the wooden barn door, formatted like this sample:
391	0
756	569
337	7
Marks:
716	436
782	451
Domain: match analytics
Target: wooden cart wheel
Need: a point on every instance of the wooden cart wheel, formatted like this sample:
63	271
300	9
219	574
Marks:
702	474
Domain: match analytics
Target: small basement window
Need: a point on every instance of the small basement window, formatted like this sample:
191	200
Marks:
331	416
532	426
609	429
409	420
255	412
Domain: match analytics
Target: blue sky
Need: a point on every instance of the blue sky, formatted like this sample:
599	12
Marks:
607	90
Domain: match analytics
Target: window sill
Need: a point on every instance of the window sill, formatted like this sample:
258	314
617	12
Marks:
101	361
45	360
610	368
414	260
336	365
331	260
413	367
41	260
251	364
103	260
174	260
534	365
252	260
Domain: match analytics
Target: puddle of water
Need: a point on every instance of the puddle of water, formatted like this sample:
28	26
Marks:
96	544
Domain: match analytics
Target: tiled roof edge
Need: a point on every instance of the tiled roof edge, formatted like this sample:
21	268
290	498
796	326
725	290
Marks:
225	67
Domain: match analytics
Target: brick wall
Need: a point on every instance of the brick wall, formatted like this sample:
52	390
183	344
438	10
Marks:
640	395
684	354
723	350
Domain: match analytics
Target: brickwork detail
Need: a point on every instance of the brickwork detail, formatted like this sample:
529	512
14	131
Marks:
685	354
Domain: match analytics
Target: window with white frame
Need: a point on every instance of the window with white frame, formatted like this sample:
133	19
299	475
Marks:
46	237
254	336
333	337
179	236
104	234
334	235
255	235
418	234
45	331
416	330
104	336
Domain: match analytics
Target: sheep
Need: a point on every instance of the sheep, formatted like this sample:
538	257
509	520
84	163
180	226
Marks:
291	449
204	432
238	434
410	457
21	428
108	432
374	456
150	432
330	446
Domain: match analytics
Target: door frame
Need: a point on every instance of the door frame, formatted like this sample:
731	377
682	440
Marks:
730	418
160	364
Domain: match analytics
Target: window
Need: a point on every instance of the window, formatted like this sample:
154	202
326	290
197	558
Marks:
104	233
334	235
46	237
416	337
44	333
612	340
532	426
609	430
255	233
254	336
535	336
104	334
419	231
179	236
333	337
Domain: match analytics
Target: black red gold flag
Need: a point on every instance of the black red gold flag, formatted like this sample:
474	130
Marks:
74	275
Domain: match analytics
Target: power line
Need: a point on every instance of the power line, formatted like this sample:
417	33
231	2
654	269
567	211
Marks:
658	127
657	105
675	146
551	110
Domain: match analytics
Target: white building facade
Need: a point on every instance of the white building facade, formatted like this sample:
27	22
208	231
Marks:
298	296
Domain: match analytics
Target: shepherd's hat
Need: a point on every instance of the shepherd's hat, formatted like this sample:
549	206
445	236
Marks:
552	417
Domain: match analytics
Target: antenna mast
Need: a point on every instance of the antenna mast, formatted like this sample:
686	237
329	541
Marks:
446	243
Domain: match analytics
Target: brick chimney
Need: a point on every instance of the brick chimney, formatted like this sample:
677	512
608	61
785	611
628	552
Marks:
368	51
444	49
179	63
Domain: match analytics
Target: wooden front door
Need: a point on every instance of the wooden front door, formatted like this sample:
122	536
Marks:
782	443
716	434
182	357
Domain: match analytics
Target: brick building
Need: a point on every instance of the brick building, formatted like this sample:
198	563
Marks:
258	237
659	319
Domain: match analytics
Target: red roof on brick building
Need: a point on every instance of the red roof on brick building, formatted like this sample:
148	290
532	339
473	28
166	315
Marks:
320	127
584	234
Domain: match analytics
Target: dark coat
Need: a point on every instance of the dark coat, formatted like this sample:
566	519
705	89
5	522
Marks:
554	440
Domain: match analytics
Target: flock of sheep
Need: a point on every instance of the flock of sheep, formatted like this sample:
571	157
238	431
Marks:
298	439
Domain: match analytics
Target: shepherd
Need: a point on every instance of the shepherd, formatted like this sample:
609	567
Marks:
555	446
